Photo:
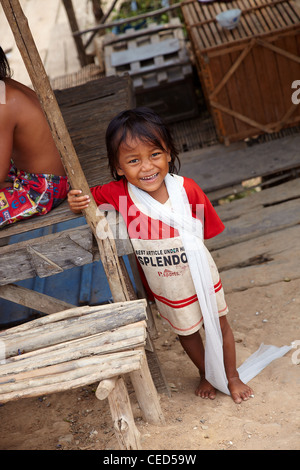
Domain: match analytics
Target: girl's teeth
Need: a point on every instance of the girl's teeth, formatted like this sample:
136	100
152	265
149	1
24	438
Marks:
149	177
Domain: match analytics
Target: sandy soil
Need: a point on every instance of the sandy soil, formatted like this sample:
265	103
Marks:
270	420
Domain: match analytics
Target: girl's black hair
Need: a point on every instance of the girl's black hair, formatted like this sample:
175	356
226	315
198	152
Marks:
5	71
143	124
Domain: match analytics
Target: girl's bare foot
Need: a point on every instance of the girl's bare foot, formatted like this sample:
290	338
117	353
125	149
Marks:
238	390
205	389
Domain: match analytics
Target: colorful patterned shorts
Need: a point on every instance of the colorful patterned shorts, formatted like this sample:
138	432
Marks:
30	195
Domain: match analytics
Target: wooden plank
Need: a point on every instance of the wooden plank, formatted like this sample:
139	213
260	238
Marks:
262	261
246	93
31	299
68	371
258	214
235	64
60	214
218	167
260	244
258	223
54	253
257	184
71	324
146	394
190	16
242	120
151	29
278	194
63	251
104	343
76	312
127	434
69	380
148	51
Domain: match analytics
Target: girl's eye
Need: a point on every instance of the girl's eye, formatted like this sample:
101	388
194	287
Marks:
134	160
156	154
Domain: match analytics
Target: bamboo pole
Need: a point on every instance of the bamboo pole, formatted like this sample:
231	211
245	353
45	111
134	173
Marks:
108	365
146	395
25	42
124	338
66	381
82	56
60	333
128	20
23	296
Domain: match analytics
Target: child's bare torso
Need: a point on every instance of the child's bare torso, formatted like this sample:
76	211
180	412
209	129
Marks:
32	146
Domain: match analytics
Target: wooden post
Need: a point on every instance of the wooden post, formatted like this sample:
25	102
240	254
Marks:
107	248
146	394
115	390
82	56
126	431
31	299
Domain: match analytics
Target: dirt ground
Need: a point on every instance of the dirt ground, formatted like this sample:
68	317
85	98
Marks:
76	420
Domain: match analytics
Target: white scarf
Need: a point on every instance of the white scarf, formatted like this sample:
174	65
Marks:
191	233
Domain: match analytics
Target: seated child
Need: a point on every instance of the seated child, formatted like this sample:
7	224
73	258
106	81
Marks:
32	177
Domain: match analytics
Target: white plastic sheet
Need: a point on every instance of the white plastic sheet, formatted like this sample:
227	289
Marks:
259	360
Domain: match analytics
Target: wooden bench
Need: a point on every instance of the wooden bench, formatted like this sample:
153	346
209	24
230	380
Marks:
81	346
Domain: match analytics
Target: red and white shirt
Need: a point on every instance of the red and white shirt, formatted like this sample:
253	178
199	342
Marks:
161	255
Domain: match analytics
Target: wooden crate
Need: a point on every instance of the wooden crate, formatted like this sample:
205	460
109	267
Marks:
158	63
151	56
247	72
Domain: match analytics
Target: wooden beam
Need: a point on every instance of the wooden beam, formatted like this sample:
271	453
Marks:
25	42
129	20
101	21
257	125
82	56
278	50
31	299
125	428
232	69
146	395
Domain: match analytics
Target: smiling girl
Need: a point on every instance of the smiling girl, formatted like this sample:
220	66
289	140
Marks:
144	163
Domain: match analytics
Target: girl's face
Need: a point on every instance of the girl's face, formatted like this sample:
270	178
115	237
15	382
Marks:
144	165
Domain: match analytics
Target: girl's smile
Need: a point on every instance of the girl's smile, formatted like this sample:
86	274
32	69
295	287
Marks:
144	165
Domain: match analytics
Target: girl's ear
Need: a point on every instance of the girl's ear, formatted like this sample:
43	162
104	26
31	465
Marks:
119	171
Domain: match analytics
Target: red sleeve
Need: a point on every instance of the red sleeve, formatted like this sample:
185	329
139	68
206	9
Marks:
212	222
109	193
